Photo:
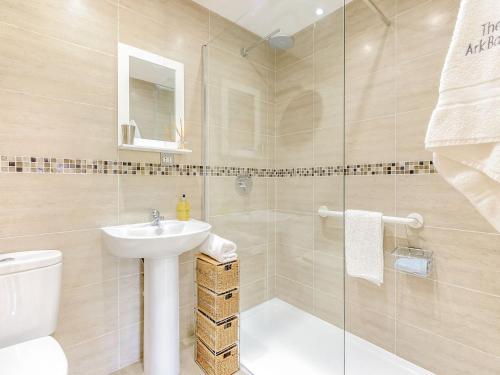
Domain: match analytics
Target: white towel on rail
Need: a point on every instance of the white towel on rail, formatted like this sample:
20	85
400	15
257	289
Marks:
464	131
364	243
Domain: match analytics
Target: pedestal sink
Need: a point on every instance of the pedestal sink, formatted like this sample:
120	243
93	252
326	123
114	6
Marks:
160	246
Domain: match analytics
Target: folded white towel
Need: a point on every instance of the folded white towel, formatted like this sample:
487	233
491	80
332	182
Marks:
219	248
364	240
464	132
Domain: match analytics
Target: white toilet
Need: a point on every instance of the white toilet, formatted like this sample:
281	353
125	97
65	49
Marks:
30	285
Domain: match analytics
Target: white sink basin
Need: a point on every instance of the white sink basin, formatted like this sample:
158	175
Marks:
160	246
170	238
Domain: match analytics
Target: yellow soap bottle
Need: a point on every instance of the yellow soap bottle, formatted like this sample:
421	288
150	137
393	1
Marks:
183	209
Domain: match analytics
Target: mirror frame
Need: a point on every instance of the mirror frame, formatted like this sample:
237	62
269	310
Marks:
142	144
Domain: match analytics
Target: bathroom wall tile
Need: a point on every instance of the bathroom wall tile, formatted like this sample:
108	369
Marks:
368	296
253	264
193	101
372	193
467	259
185	17
179	44
252	78
194	141
295	115
329	235
87	312
426	29
131	302
329	31
371	95
236	148
462	315
54	68
300	145
372	326
91	23
302	48
359	17
370	141
84	260
295	80
294	194
186	283
224	197
405	5
252	295
232	38
186	321
130	267
370	50
131	341
329	191
411	128
329	274
140	194
440	355
329	308
438	202
247	229
294	229
296	294
99	356
418	82
329	146
295	263
45	127
35	204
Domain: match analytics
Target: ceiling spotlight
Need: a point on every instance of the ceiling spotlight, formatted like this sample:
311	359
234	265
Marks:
319	11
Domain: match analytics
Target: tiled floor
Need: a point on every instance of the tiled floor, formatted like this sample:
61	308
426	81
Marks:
188	366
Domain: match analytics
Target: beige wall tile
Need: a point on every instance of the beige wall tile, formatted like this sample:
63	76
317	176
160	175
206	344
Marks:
329	308
55	69
418	82
466	316
329	30
372	193
411	128
45	127
296	294
329	236
438	202
295	80
186	321
300	145
302	48
84	260
442	356
35	204
358	17
295	194
186	283
87	312
294	229
295	263
370	141
99	356
329	274
90	23
252	295
295	115
405	5
253	264
131	341
426	29
131	301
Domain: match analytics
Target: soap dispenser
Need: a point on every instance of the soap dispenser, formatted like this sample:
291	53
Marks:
183	209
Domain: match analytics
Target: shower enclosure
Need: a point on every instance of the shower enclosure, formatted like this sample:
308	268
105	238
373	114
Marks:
299	101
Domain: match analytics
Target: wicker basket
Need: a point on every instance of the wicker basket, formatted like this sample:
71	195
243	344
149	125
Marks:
217	336
218	306
218	277
223	363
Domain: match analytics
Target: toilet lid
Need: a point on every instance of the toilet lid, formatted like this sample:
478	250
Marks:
43	356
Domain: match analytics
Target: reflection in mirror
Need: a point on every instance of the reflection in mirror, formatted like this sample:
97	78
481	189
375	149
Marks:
152	100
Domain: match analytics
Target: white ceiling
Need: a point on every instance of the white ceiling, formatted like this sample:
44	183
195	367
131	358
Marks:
264	16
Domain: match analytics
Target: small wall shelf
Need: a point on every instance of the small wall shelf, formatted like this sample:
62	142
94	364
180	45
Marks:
149	148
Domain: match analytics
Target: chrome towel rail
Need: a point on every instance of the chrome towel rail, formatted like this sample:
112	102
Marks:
412	220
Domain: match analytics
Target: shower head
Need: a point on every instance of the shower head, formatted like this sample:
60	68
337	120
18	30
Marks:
275	41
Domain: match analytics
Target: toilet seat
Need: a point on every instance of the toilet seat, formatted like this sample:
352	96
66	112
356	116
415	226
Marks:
43	356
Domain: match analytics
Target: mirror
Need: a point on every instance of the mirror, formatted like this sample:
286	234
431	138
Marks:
151	98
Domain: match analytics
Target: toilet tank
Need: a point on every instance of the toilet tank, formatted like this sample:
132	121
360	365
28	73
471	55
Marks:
30	287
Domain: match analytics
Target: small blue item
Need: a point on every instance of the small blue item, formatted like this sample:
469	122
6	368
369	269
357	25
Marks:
414	261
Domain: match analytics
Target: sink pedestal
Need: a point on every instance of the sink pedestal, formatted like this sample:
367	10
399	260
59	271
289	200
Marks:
161	316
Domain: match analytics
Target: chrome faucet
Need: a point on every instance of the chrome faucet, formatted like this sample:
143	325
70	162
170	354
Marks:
157	218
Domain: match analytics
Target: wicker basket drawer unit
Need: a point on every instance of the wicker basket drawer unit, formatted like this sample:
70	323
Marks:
217	336
218	306
218	277
217	363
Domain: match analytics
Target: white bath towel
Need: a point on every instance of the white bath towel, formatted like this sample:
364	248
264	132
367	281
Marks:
364	243
464	132
219	248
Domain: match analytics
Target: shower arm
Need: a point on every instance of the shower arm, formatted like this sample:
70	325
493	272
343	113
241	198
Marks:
245	51
370	4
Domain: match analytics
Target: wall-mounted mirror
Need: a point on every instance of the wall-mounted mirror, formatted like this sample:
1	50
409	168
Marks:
151	100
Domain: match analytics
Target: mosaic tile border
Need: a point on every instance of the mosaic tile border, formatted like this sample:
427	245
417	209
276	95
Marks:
47	165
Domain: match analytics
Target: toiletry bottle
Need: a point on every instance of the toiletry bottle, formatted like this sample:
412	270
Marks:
183	209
